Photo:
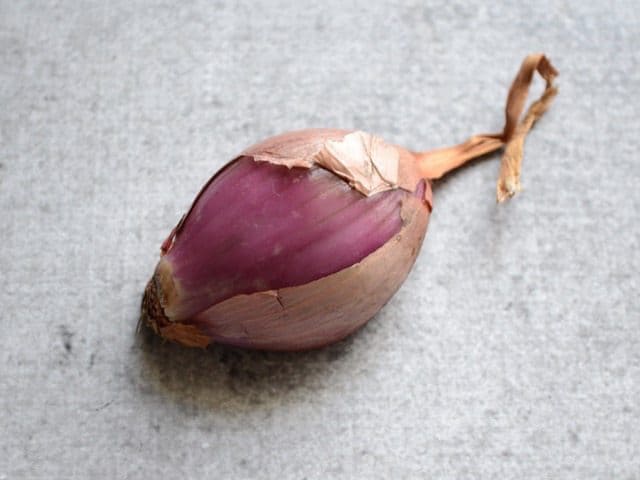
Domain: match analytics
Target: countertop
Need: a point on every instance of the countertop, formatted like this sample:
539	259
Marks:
513	348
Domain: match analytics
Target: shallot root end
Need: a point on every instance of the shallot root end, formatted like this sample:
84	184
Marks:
153	315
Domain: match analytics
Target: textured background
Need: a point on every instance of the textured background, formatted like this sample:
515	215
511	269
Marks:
513	349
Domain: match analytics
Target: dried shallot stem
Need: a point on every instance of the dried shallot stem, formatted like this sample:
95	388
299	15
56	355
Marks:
436	163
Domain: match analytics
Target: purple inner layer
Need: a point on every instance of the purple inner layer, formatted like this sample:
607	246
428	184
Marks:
260	226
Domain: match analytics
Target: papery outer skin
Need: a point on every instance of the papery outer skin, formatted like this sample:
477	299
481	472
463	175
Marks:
197	304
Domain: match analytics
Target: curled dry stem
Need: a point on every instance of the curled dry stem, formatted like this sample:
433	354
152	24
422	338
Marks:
436	163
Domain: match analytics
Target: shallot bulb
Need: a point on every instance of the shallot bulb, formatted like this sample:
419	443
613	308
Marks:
302	238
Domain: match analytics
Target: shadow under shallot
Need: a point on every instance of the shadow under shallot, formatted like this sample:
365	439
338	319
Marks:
232	379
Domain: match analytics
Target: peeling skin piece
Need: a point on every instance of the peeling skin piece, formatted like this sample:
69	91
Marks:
366	161
260	227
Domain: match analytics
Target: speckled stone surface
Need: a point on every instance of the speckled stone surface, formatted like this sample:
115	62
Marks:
513	349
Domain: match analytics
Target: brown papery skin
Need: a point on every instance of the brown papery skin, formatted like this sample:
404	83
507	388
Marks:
328	309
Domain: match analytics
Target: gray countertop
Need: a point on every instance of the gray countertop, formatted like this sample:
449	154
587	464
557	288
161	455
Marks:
512	350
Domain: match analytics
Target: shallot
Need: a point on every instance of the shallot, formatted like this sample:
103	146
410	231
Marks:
302	238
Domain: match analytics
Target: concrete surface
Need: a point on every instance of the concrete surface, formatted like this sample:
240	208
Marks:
512	351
